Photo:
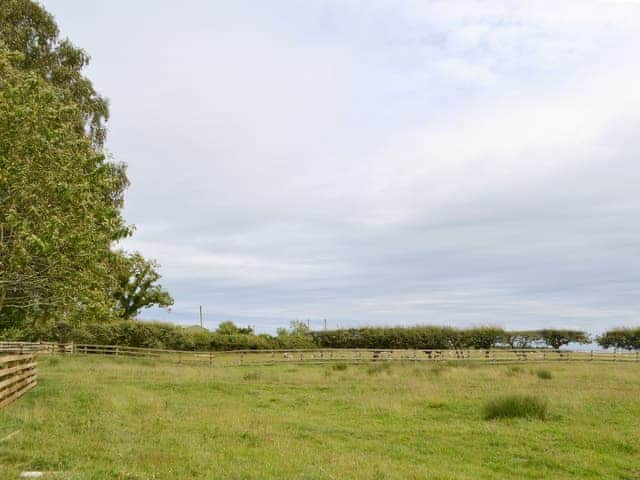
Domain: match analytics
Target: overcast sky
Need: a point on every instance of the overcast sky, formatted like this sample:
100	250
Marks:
378	162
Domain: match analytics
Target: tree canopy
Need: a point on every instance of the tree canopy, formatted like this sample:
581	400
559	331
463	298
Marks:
137	287
61	195
28	28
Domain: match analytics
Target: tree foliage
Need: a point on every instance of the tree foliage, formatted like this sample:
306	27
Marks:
558	338
27	28
623	338
230	328
60	203
420	337
60	194
137	286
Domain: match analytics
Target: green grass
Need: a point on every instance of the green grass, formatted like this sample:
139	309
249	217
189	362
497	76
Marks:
516	406
96	418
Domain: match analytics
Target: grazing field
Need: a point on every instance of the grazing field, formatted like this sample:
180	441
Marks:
115	418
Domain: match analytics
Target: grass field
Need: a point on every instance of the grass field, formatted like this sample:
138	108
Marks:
109	418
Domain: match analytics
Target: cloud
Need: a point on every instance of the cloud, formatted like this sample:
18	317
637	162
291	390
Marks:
378	162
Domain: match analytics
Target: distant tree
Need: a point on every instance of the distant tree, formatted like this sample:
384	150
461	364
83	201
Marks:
558	338
623	338
137	286
230	328
296	328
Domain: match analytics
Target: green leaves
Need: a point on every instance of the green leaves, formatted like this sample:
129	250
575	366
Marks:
60	195
136	285
624	338
60	204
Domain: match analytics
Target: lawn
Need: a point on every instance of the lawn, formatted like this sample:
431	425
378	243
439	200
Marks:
113	418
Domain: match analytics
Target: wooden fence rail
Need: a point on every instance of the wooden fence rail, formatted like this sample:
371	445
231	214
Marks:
17	375
321	355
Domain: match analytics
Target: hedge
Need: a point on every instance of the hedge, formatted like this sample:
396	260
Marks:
424	337
134	333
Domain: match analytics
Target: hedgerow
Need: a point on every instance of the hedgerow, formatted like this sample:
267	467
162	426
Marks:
422	337
155	335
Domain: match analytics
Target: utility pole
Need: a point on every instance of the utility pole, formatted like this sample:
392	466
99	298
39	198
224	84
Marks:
201	323
325	323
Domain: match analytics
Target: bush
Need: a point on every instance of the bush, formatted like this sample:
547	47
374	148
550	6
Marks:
516	406
544	374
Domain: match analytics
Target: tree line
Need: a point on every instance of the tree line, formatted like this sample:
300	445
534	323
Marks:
229	336
61	193
436	338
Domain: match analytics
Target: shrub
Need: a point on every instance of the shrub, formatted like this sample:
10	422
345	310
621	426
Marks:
544	374
516	406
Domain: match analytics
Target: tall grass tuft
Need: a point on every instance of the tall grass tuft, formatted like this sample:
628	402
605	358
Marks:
340	367
544	374
516	406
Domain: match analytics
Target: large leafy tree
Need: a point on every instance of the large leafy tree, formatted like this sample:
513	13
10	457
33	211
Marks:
60	194
60	203
137	286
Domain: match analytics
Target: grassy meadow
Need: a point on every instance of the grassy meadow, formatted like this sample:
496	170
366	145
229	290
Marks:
116	418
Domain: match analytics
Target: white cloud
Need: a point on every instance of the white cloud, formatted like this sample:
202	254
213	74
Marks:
389	162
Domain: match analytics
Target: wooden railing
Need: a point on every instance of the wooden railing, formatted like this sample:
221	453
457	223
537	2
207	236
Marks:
244	357
17	376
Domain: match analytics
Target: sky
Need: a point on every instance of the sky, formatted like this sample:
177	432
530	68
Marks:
374	162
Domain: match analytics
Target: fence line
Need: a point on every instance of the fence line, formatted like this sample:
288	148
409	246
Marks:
320	355
18	374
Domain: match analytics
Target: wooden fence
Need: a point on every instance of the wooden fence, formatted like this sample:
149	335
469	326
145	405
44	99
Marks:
255	357
17	376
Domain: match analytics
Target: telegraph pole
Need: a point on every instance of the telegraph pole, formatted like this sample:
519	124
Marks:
201	323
